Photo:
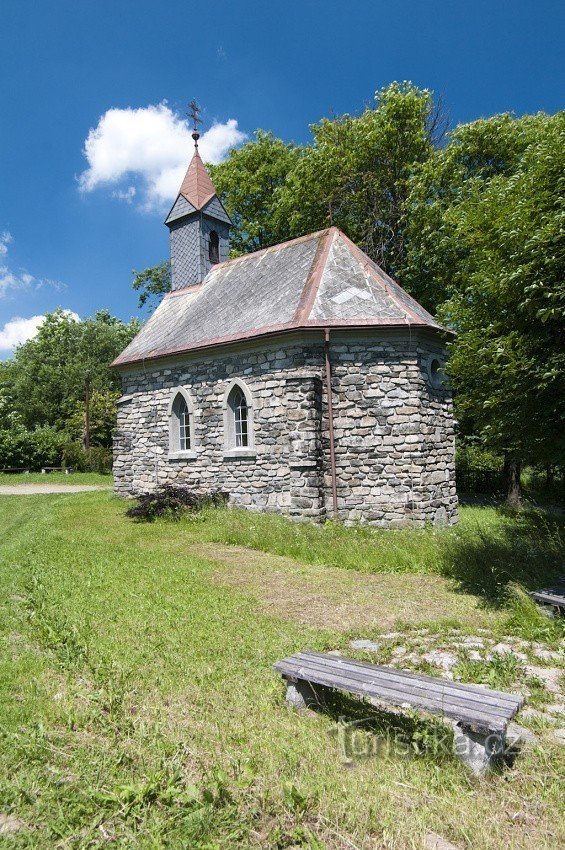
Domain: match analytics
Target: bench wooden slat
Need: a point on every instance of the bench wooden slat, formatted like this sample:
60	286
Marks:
387	677
477	707
432	682
390	693
402	700
551	596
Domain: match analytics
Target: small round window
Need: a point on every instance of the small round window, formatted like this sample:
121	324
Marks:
436	373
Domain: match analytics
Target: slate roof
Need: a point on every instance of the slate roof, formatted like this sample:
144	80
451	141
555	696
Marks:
316	281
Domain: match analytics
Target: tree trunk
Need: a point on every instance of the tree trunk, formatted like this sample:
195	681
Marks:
512	480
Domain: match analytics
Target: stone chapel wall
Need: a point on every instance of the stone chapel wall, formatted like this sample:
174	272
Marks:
393	429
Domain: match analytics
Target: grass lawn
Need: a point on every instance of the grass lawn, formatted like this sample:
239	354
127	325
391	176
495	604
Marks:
56	478
138	707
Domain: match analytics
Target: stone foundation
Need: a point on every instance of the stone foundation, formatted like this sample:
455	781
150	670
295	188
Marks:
394	431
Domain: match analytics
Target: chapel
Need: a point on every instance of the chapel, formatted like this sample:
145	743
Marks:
299	379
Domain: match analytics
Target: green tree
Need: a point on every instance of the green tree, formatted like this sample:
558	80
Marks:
45	378
249	183
356	174
102	418
488	241
152	283
436	264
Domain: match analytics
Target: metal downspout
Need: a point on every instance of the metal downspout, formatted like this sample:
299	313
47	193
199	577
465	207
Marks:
330	419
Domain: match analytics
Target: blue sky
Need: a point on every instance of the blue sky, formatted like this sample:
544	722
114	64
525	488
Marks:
119	74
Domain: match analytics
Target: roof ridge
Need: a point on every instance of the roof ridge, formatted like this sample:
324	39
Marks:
304	238
312	284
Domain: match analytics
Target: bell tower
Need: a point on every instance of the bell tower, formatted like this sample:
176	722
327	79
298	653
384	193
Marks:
198	223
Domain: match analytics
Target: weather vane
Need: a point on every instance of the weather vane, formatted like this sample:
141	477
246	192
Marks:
194	114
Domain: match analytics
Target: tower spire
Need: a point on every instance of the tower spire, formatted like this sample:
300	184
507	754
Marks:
198	222
194	114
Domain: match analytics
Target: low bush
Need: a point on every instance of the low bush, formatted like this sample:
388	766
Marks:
172	502
31	449
95	459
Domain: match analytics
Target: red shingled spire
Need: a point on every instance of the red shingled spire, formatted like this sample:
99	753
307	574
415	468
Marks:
197	187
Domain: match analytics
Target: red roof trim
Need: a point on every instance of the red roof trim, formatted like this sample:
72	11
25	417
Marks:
273	330
277	247
193	287
312	284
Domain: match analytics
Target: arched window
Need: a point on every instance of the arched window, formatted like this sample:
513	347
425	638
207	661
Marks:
214	247
436	374
238	406
181	425
238	421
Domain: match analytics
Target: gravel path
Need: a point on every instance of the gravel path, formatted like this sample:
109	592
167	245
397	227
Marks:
36	489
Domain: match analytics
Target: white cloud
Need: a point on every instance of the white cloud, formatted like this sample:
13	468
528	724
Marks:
18	330
153	143
21	280
126	195
5	239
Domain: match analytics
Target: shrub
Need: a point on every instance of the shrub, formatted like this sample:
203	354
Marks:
95	459
31	449
100	460
172	502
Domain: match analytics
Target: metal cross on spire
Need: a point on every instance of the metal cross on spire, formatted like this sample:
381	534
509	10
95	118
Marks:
194	114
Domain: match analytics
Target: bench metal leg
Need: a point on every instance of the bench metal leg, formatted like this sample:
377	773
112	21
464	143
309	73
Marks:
478	751
300	694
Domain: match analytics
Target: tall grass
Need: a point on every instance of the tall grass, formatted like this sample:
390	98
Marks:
333	544
487	552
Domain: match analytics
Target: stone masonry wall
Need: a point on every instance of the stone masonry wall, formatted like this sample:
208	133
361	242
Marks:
394	434
393	429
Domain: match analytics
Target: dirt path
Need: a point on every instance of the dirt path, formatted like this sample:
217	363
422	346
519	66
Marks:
339	599
37	489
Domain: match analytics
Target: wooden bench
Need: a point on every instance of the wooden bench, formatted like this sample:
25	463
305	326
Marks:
554	596
14	470
479	716
45	470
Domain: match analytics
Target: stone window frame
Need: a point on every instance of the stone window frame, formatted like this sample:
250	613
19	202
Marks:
436	373
231	451
175	452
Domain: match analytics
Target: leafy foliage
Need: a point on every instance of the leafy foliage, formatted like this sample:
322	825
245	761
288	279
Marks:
172	502
45	378
152	283
488	216
94	459
356	175
23	449
102	418
249	183
42	391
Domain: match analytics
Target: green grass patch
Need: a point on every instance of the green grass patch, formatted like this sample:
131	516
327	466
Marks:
139	709
56	478
485	554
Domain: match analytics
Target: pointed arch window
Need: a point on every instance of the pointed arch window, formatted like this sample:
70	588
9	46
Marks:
181	425
214	247
238	421
238	406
